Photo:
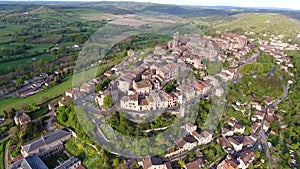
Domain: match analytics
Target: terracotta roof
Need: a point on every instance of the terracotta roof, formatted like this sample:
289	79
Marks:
143	84
196	134
180	143
85	86
199	85
172	66
232	122
247	156
259	113
149	72
168	165
271	111
238	125
230	70
223	142
80	167
150	161
268	100
125	98
205	133
246	142
133	97
144	102
232	163
225	130
235	141
166	95
255	126
195	164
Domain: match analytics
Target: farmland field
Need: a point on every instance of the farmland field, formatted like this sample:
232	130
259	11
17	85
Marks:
49	93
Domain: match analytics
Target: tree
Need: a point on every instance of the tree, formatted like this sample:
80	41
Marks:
18	83
275	125
9	112
13	132
62	50
101	86
64	117
171	86
108	101
226	64
116	162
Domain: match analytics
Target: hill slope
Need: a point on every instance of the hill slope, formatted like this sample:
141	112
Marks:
272	23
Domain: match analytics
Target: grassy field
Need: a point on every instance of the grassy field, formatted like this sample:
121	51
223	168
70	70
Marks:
16	102
57	19
9	29
260	23
25	61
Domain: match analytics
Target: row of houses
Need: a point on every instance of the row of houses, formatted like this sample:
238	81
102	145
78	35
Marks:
190	140
35	84
145	96
158	163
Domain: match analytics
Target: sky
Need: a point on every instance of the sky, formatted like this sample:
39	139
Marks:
291	4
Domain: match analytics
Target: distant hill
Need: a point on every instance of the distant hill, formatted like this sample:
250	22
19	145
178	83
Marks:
272	23
187	11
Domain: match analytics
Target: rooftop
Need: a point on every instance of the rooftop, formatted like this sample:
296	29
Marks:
45	140
143	84
195	164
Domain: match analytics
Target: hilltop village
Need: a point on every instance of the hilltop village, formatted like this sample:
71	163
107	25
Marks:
143	84
175	74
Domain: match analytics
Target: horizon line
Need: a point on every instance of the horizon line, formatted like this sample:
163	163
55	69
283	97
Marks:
198	5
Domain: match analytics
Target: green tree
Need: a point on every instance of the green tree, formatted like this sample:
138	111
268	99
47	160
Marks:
116	162
108	101
226	64
275	125
62	50
19	83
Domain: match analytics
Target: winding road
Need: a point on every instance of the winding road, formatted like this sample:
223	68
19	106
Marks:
263	138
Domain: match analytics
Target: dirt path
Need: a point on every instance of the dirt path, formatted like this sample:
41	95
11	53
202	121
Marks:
6	157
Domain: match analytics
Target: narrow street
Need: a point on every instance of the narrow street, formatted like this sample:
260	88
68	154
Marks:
263	138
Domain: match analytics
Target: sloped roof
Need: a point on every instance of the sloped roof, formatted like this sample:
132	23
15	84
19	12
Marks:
195	164
46	140
69	163
33	162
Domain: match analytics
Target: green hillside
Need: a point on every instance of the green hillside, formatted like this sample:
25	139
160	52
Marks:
261	23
